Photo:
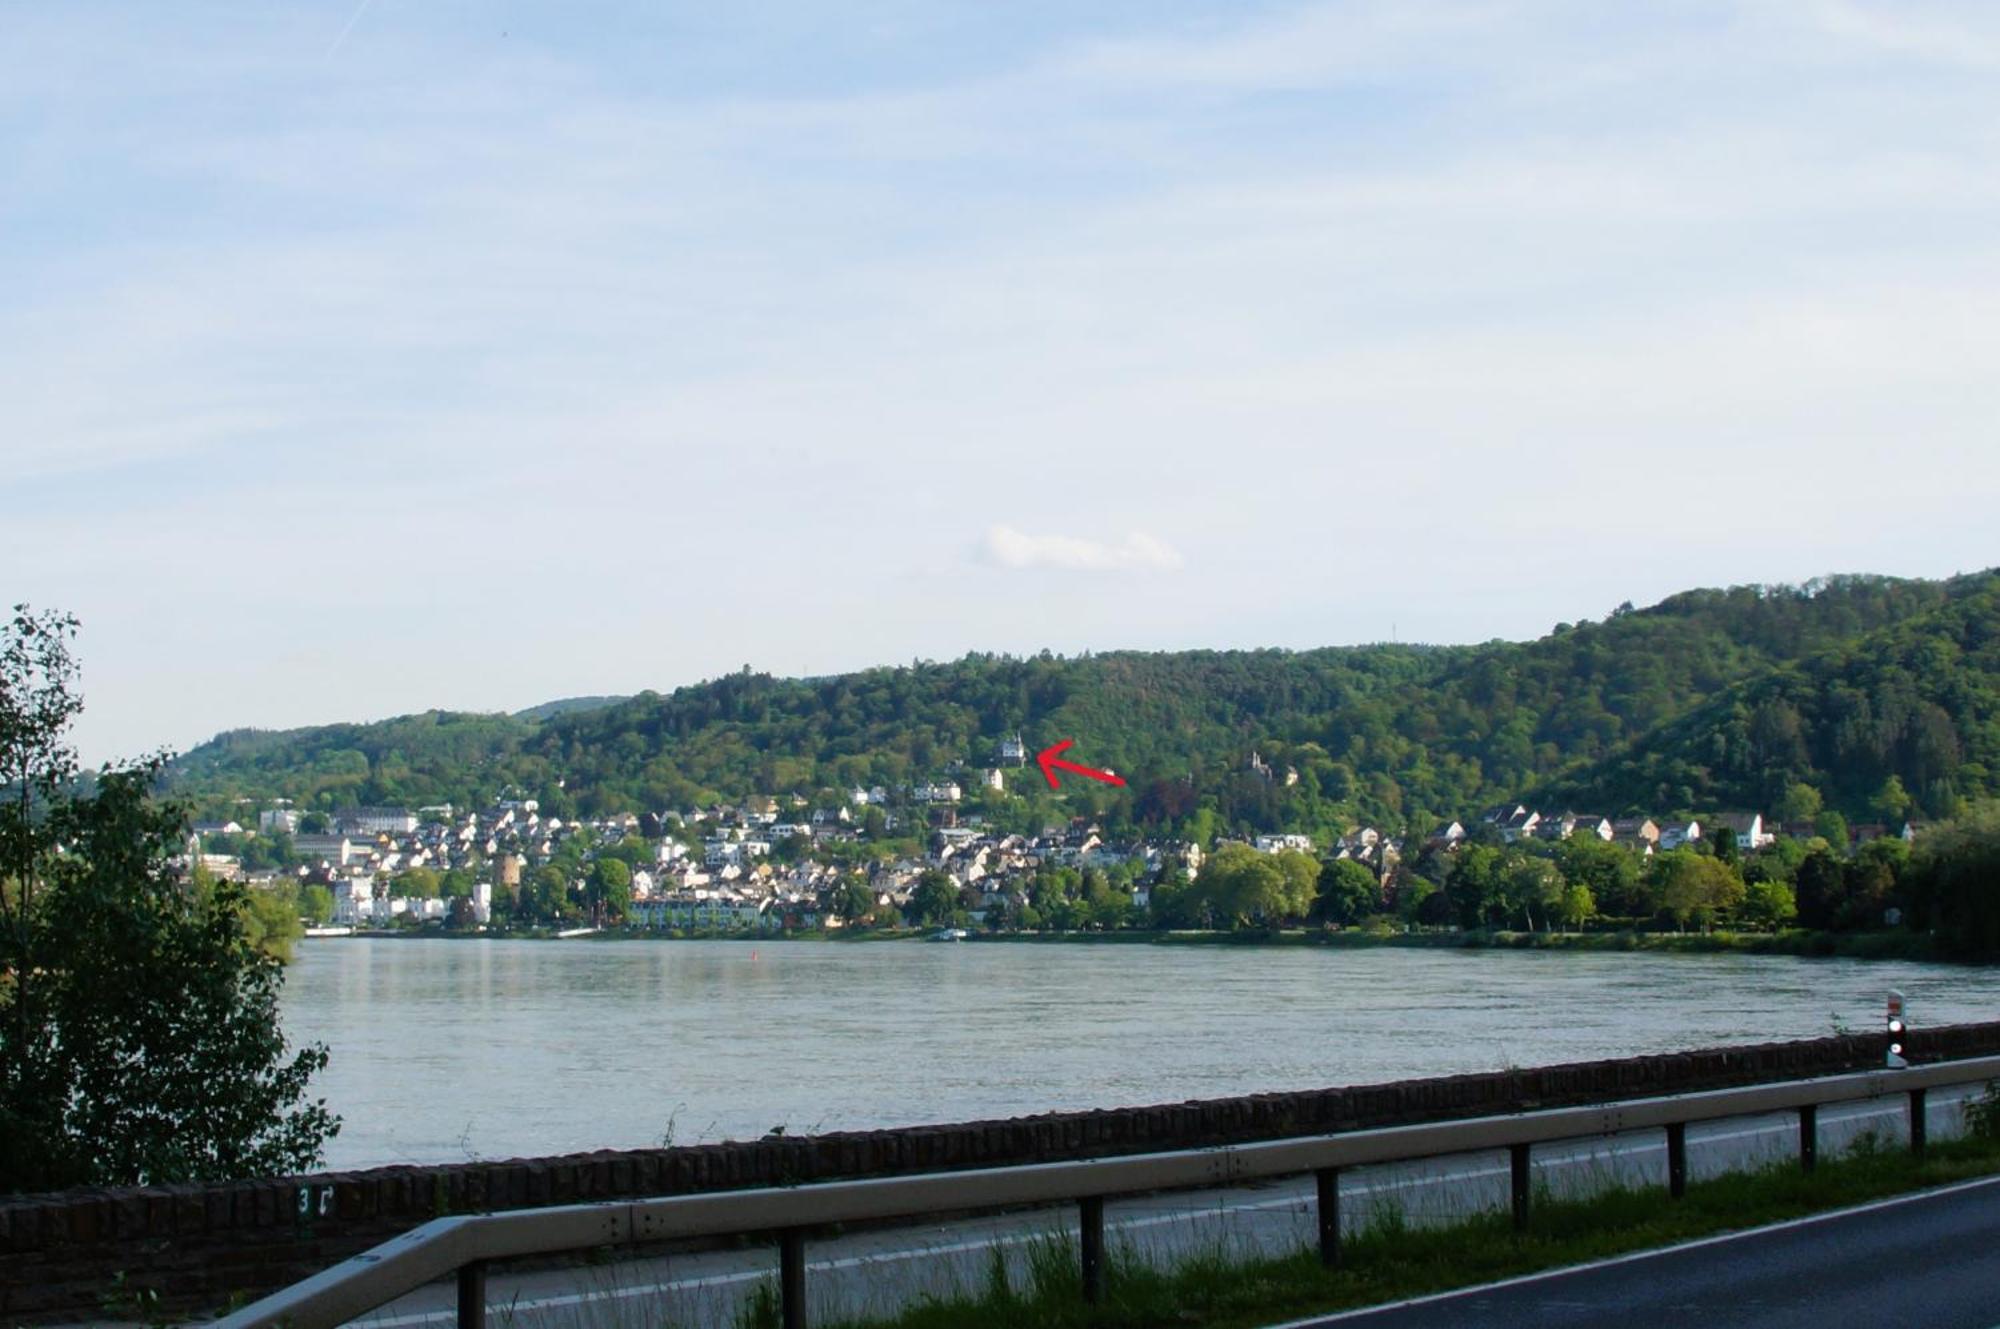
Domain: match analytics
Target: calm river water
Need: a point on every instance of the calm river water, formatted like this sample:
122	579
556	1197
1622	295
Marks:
447	1050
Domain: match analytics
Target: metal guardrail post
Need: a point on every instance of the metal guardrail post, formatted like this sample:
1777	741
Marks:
1920	1127
472	1295
1677	1159
1517	1161
1091	1244
1328	1182
792	1278
1809	1137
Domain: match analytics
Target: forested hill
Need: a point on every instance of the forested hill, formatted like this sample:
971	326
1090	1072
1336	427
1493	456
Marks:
1909	712
1710	698
549	710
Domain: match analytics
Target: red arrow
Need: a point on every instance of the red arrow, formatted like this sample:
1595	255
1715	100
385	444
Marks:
1050	760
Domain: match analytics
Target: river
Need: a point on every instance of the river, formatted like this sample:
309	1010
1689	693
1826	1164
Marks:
448	1050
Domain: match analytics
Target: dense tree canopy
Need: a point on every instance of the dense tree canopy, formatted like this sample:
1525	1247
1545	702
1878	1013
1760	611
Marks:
1348	892
1852	698
1954	882
139	1038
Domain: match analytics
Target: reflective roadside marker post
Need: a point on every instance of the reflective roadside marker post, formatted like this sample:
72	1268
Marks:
1896	1029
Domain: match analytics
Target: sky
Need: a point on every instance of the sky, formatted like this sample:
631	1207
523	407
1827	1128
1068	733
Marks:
358	358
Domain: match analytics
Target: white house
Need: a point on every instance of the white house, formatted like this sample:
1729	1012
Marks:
354	900
274	821
1674	834
1574	823
1640	833
377	821
1271	844
334	849
733	852
1748	827
707	911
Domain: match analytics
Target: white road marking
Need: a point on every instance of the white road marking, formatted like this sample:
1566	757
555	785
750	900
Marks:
1633	1256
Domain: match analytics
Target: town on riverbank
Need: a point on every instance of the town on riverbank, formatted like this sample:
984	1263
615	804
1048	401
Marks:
930	855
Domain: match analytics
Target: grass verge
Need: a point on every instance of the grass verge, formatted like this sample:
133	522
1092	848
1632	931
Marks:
1392	1260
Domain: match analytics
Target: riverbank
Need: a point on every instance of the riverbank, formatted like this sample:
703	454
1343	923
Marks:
1796	942
1884	945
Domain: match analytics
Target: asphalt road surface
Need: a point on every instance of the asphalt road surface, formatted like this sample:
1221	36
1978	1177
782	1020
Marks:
878	1271
1929	1259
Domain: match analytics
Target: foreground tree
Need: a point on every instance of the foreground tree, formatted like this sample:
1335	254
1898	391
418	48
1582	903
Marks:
609	890
139	1038
1955	883
1695	886
933	901
316	903
1770	903
1240	887
1348	892
852	902
1578	906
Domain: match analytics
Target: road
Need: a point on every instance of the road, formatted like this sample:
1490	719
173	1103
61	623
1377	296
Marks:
875	1272
1929	1259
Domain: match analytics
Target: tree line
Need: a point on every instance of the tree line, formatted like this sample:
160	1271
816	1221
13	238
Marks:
1947	885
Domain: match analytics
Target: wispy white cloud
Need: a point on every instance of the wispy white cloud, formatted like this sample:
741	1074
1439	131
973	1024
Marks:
1964	36
1137	552
1305	46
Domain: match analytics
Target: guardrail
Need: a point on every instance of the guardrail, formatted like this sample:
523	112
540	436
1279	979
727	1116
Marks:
465	1245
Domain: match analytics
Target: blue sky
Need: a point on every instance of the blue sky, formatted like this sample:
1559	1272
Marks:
361	358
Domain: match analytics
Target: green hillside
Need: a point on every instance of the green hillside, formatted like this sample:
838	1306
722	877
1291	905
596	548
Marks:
549	710
1710	698
1906	716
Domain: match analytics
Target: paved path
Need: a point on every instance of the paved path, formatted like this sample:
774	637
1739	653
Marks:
1928	1259
876	1272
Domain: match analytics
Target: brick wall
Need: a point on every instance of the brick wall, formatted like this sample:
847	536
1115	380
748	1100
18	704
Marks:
198	1245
